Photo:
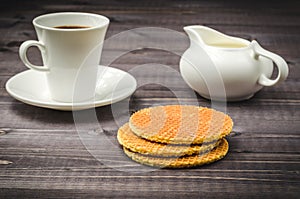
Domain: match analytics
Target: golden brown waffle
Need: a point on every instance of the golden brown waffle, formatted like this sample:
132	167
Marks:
180	124
182	162
137	144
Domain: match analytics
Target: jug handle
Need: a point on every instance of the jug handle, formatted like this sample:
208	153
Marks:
282	66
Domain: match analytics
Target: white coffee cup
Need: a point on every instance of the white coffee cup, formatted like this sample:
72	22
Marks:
71	45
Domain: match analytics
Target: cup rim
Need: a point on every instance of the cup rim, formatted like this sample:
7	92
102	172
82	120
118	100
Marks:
104	18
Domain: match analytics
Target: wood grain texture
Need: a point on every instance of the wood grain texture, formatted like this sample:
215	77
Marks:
45	154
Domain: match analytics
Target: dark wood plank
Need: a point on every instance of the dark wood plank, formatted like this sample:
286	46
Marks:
44	159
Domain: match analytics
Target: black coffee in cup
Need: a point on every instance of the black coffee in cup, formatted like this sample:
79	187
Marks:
71	27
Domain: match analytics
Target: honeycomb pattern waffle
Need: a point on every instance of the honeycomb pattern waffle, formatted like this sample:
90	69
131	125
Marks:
139	145
180	124
182	162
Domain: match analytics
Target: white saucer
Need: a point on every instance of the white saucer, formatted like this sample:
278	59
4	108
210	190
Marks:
30	87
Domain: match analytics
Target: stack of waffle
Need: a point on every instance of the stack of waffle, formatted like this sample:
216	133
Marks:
176	136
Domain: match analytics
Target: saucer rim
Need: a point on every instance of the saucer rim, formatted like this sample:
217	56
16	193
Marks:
70	106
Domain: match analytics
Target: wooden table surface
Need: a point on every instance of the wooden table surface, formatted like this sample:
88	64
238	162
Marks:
42	152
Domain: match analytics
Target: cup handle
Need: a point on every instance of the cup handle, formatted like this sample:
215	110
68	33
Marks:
23	54
282	66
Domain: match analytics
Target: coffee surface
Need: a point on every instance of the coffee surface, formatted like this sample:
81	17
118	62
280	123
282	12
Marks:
71	27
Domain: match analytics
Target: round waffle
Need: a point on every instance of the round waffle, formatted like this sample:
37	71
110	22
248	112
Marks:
137	144
180	124
182	162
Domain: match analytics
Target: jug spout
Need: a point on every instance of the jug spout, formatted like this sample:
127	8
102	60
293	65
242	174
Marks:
193	34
